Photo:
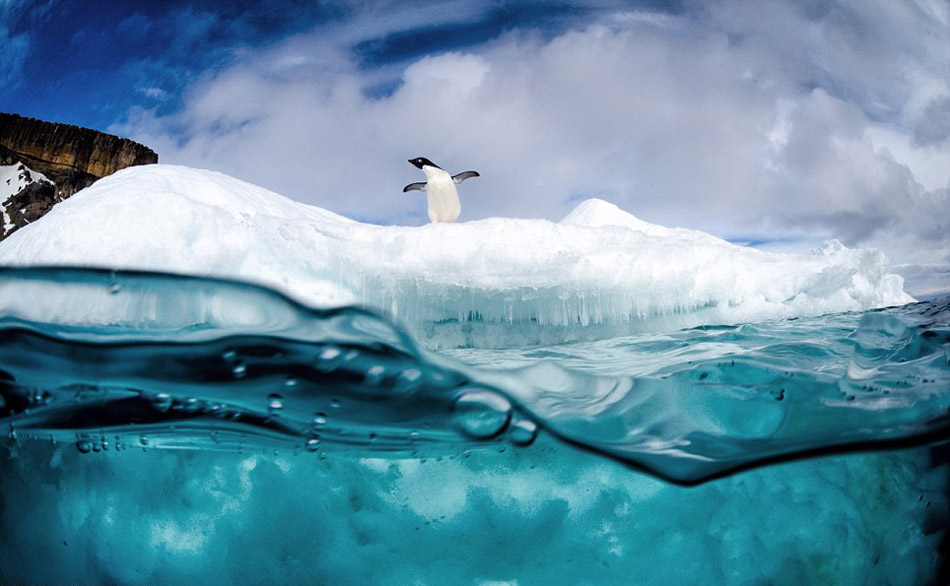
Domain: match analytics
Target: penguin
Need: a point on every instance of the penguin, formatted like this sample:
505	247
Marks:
444	205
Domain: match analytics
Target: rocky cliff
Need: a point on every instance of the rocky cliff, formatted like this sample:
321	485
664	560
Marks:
63	159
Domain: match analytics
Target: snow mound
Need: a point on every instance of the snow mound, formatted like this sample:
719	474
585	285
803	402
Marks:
600	271
597	213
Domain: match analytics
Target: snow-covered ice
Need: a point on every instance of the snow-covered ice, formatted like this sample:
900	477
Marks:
600	271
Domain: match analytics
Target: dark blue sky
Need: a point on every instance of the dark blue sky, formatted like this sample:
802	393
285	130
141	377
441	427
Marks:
89	61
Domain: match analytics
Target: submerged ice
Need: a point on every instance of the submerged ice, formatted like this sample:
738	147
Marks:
498	282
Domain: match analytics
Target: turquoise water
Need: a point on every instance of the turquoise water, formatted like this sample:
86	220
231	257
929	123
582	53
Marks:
163	429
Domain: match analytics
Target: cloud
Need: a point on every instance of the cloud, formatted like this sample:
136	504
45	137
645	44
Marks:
761	123
933	128
154	93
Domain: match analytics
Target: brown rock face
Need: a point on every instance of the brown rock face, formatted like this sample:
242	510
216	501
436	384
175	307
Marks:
72	157
69	156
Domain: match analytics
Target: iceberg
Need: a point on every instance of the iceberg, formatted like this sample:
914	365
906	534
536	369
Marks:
202	381
598	273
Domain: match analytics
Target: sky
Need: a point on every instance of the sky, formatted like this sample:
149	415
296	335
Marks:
777	124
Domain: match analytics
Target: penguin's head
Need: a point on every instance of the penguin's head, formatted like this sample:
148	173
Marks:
420	161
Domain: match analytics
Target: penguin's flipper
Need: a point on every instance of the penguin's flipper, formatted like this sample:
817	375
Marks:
414	187
464	175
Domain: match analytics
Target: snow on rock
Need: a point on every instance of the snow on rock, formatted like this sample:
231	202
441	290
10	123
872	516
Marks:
600	271
14	179
11	182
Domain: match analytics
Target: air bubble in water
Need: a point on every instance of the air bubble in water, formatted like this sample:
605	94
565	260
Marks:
523	432
328	359
239	369
481	414
319	419
83	446
274	404
189	405
313	444
408	380
162	402
374	375
329	353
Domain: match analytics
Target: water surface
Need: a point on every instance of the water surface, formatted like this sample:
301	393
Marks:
160	417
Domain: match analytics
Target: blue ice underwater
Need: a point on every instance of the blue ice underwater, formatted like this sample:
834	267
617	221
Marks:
154	438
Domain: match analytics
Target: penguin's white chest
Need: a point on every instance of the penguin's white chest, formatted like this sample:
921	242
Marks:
444	205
